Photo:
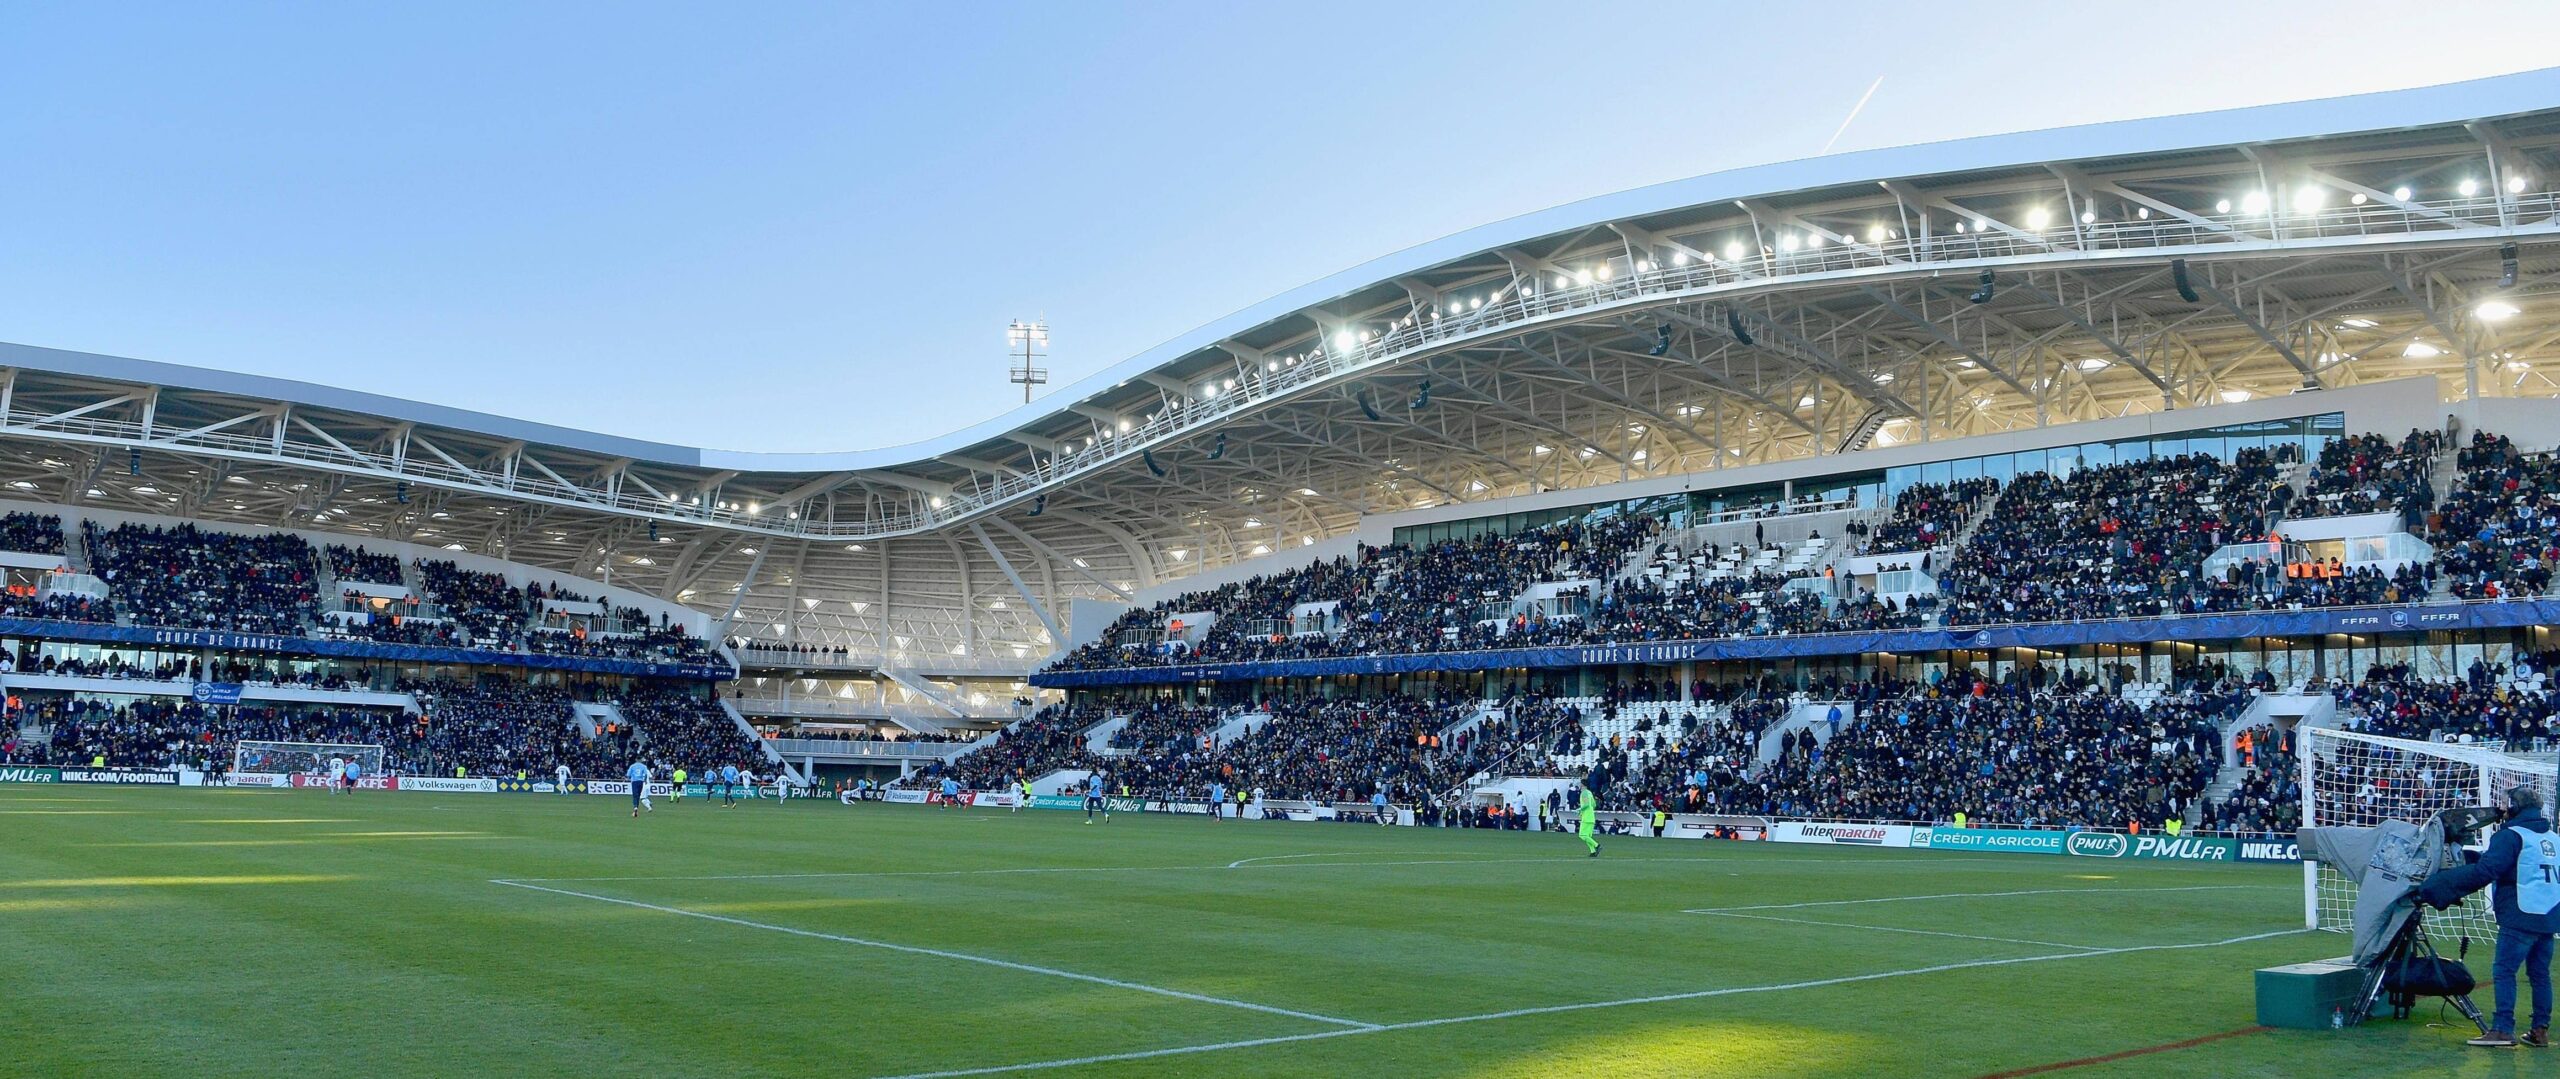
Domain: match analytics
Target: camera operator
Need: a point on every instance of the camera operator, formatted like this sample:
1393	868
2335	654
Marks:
2523	860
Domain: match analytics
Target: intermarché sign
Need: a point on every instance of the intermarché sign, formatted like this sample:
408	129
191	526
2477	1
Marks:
23	774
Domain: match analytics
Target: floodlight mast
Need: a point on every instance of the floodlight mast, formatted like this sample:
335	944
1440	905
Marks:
1030	342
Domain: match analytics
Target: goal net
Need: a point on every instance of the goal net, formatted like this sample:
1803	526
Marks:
287	759
2353	779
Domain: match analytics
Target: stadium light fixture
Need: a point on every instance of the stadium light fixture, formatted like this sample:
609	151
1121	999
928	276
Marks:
2515	185
2400	193
2143	212
1638	457
1475	303
2254	202
1306	541
2088	217
2038	217
2233	397
1645	266
1679	258
2468	187
1813	240
1733	252
1541	451
2222	206
1875	234
2357	198
2420	350
1787	242
1307	492
2309	198
2496	311
2094	363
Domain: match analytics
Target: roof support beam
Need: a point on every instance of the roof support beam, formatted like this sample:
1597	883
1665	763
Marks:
1047	620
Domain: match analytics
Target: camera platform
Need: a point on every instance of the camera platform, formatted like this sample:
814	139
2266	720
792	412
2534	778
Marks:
2305	996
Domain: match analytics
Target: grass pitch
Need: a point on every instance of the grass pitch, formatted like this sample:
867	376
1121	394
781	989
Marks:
207	932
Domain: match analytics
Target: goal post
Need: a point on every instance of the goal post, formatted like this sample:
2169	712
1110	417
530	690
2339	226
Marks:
2354	779
251	758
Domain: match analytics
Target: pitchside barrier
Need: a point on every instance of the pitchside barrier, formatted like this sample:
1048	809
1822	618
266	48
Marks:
2056	842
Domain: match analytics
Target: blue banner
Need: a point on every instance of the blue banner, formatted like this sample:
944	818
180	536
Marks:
373	650
2204	627
216	693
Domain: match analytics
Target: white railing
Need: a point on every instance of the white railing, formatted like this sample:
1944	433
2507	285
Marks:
778	658
1245	667
851	747
1591	288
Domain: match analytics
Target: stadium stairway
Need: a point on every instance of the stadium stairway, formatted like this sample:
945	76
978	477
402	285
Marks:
1808	714
1060	781
772	756
1474	718
591	718
932	695
1097	738
1237	725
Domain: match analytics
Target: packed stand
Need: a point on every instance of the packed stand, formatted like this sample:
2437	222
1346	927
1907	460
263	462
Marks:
1927	515
2498	532
2480	706
2027	749
190	578
31	533
677	726
359	564
2368	474
2108	542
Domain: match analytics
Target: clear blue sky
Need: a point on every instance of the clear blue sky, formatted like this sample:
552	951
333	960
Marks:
773	226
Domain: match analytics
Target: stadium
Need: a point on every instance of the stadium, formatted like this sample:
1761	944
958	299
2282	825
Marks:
1881	613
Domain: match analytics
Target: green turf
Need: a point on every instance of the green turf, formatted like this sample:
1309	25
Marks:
295	933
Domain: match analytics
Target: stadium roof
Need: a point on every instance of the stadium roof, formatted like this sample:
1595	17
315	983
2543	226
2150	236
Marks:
1763	314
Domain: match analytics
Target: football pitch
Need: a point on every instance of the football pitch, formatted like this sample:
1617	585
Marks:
240	932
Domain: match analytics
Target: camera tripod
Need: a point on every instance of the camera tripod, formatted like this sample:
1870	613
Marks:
2407	947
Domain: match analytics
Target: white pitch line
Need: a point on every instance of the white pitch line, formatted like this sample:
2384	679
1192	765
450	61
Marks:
1243	862
1183	1050
943	954
1980	895
1898	929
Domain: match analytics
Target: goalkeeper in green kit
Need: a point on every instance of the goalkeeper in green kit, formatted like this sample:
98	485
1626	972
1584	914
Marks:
1590	831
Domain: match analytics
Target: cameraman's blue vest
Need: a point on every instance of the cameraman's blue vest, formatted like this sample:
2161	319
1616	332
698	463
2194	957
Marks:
2537	872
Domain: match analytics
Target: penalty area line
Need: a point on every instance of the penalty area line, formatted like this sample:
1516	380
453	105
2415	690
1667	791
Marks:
1898	929
940	953
1986	895
1550	1009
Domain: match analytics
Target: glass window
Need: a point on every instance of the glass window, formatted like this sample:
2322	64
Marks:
1937	472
